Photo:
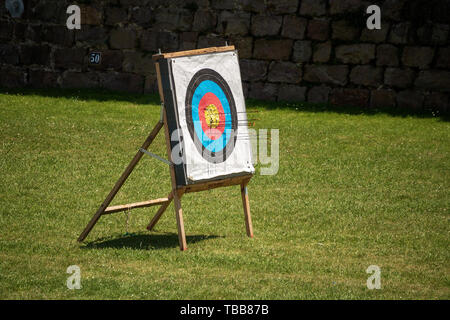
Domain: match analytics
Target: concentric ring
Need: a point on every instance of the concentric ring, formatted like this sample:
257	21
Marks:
208	88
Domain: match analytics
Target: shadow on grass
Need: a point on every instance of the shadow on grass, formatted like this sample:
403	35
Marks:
103	95
351	110
147	241
100	95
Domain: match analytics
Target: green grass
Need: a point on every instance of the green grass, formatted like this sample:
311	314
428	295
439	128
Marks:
354	189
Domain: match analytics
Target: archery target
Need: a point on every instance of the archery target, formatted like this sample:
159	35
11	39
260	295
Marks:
211	115
210	111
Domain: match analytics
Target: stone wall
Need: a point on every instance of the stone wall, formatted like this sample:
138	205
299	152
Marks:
290	50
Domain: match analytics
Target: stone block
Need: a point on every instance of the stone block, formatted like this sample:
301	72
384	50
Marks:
3	12
438	11
437	80
9	54
173	19
20	31
350	97
255	6
376	35
440	33
43	79
35	54
196	4
302	51
284	71
313	8
263	91
433	33
399	78
294	27
57	35
393	9
410	99
48	11
6	30
437	101
153	40
367	76
211	40
282	6
425	33
329	74
90	16
266	25
387	55
69	58
291	93
319	94
115	15
224	4
143	16
381	99
244	45
204	21
356	53
138	62
188	40
345	6
125	82
420	57
134	3
344	30
400	33
71	79
443	58
322	52
272	49
245	89
94	35
232	23
318	29
253	70
122	38
151	84
12	77
35	33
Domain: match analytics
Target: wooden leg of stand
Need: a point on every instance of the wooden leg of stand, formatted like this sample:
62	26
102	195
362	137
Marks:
177	193
120	182
246	204
158	214
179	214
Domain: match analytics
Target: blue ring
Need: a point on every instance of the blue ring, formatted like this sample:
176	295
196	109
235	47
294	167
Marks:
220	143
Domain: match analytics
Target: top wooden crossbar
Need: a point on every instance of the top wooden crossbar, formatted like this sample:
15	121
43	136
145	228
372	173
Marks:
192	52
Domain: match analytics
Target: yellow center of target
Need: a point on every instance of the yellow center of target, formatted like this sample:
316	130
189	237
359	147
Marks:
212	116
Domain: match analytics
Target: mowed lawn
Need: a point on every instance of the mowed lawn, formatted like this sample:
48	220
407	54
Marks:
352	190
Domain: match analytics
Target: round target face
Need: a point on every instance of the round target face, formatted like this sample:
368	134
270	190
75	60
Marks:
211	115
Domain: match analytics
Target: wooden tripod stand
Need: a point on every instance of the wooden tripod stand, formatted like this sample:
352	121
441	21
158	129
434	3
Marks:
177	191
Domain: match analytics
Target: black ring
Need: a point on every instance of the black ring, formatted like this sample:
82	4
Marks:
199	77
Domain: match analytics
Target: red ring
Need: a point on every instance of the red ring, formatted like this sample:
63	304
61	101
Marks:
206	100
